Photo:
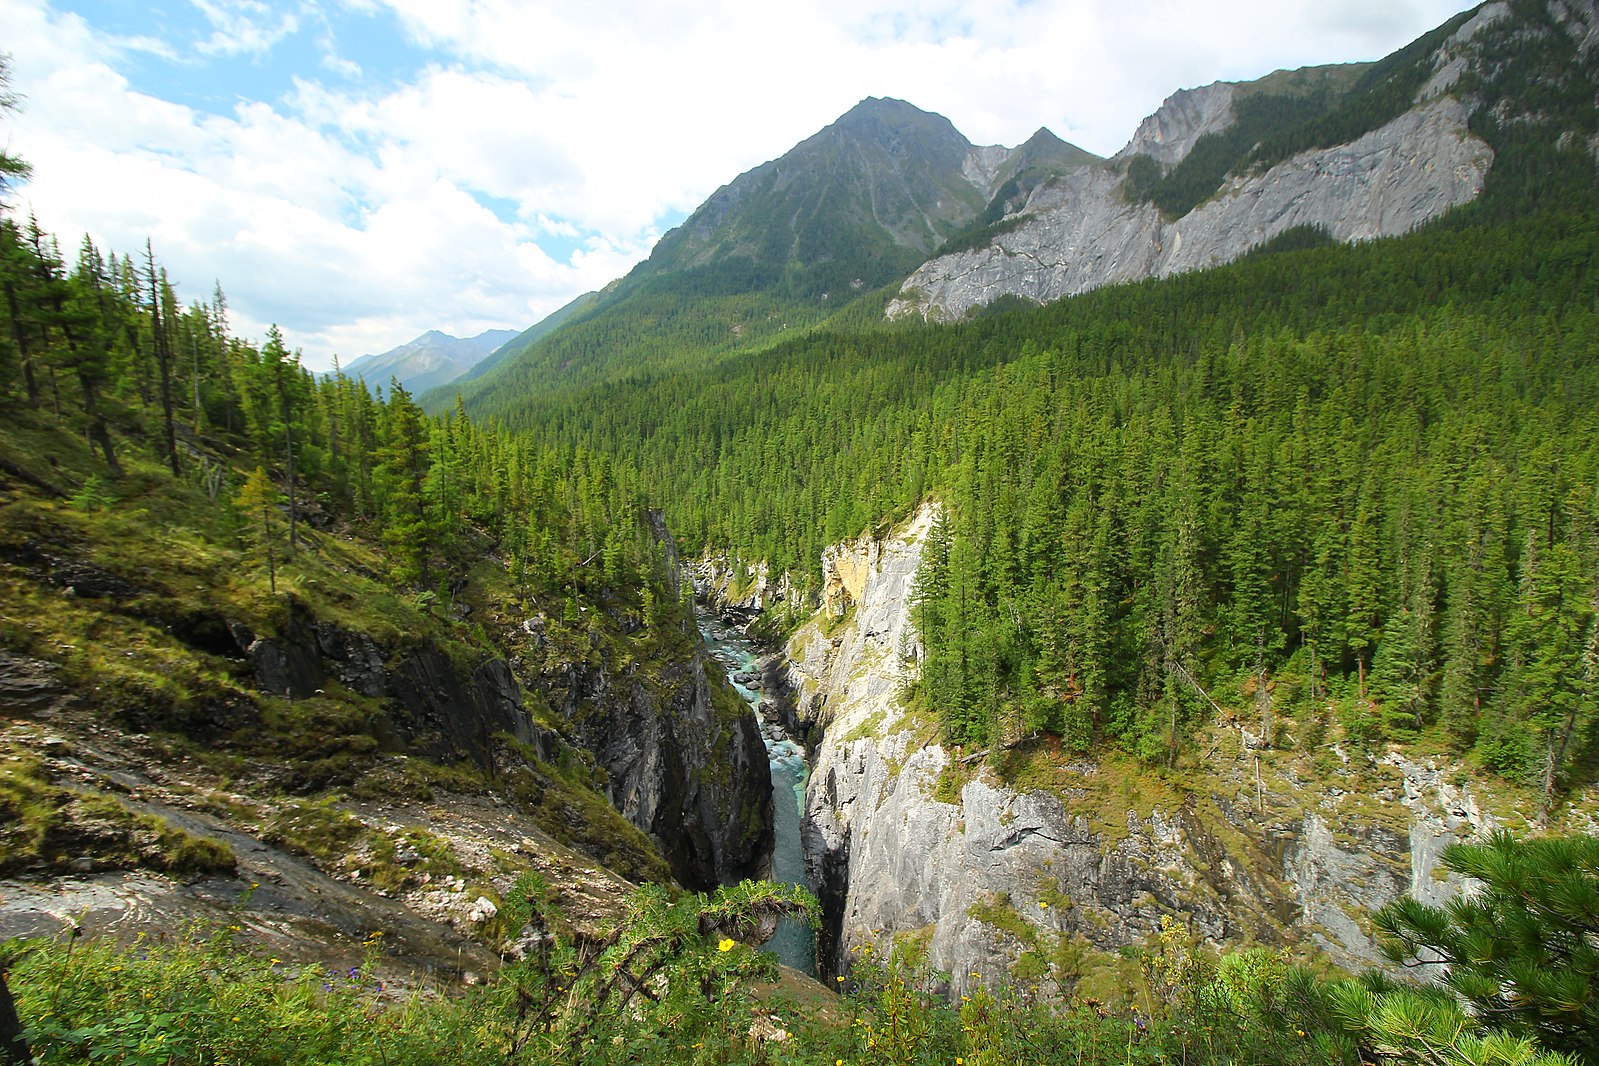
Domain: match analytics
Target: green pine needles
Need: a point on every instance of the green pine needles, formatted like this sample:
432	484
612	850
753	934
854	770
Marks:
1523	951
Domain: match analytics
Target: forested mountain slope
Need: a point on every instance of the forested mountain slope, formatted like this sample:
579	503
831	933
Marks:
1360	478
260	626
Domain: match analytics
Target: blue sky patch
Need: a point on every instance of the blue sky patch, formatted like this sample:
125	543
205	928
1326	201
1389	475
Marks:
334	46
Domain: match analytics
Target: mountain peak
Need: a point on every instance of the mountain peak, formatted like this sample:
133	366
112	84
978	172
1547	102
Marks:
881	107
889	122
854	205
435	358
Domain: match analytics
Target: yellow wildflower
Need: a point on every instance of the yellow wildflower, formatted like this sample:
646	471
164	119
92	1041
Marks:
725	944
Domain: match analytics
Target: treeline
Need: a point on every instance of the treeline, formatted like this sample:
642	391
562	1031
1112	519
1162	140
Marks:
107	348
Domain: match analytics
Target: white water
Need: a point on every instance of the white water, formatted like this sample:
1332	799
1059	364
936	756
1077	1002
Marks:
793	944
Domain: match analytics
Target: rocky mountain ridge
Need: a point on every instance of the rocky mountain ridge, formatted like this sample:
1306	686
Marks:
1079	233
1086	229
430	361
883	185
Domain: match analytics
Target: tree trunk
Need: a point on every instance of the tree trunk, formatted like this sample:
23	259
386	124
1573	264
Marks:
195	344
1262	693
288	449
97	426
272	563
20	336
421	518
164	358
141	378
13	1048
91	404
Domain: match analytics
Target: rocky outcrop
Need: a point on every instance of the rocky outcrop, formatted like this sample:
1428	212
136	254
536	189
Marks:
747	587
1080	233
904	837
683	766
1580	19
436	709
1169	134
1455	55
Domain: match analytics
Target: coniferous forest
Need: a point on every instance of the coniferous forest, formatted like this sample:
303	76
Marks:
1367	473
1342	495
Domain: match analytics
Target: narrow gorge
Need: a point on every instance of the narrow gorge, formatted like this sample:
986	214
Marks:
756	676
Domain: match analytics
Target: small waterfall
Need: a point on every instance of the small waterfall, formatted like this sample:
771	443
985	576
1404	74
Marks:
793	944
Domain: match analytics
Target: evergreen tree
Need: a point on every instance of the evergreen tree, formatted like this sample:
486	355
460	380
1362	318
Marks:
1524	951
258	502
403	469
163	350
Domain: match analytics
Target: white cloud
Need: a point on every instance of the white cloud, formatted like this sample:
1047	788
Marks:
241	27
354	215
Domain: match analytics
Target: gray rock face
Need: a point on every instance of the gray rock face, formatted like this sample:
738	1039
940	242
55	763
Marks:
1452	59
902	837
691	775
748	587
1080	234
435	709
1186	115
1580	19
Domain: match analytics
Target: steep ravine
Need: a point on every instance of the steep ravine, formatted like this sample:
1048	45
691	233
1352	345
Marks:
747	671
359	779
905	839
682	761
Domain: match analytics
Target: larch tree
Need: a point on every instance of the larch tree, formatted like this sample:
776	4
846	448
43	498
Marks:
258	502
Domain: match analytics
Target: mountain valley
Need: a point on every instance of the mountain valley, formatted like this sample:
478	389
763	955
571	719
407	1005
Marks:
1169	563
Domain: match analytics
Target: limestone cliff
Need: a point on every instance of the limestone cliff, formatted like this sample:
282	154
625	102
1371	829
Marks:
906	838
1185	116
746	587
1080	232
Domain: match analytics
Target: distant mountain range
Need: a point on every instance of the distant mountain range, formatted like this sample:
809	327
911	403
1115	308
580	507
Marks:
429	361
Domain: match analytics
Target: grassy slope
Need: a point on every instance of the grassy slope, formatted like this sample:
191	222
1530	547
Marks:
133	736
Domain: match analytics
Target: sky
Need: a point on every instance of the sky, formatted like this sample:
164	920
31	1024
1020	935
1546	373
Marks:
361	171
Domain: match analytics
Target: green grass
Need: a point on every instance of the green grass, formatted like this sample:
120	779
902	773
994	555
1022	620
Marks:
341	842
207	998
46	828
